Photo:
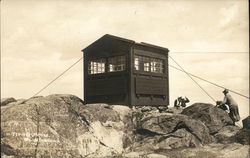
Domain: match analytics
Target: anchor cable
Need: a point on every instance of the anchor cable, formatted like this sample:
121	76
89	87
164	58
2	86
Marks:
193	79
47	85
189	74
210	82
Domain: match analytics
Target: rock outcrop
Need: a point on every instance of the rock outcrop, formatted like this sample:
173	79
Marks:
214	118
243	135
62	126
6	101
164	131
225	134
246	122
233	150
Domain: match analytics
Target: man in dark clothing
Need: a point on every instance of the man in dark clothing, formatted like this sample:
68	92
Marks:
221	106
177	102
181	101
184	100
233	106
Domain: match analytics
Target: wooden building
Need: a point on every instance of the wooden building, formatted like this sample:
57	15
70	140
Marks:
121	71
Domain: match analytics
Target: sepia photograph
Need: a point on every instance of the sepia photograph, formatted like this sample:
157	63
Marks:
125	79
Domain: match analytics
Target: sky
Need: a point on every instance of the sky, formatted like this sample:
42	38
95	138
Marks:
208	38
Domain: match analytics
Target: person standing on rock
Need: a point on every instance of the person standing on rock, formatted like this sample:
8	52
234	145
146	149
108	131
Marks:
233	106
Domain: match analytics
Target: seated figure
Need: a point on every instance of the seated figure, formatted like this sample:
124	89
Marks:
181	102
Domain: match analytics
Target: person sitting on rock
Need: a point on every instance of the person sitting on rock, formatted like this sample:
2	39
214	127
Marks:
184	100
177	102
233	106
181	102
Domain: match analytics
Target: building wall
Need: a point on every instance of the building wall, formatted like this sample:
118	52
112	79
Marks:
129	87
108	87
148	88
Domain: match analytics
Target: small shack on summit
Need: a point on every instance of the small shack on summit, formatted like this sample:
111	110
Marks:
121	71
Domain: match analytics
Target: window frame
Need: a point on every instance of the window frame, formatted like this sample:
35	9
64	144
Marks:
119	61
98	66
106	61
148	60
157	68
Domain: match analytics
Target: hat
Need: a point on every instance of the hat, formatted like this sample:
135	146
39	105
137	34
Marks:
225	91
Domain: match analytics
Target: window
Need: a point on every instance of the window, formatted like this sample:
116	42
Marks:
136	63
141	63
148	64
96	66
156	65
117	63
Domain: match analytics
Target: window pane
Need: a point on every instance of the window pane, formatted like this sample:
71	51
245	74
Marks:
148	64
136	63
96	66
117	63
156	65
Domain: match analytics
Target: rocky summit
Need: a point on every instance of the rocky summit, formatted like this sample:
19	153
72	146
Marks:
63	126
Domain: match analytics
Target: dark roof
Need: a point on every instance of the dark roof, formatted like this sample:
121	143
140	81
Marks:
119	38
153	46
129	41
